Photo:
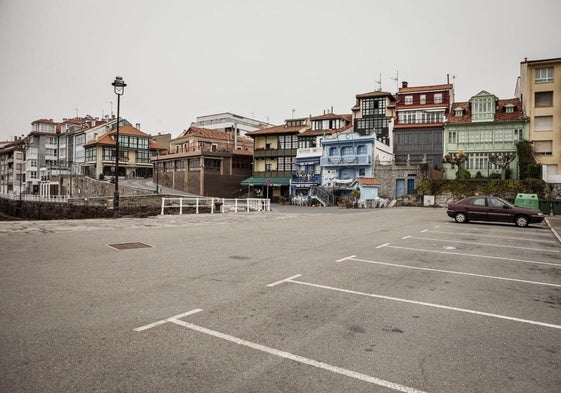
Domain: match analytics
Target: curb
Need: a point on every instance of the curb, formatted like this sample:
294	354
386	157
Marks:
553	230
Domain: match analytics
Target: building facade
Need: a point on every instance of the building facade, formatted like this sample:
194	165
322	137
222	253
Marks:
373	114
229	123
135	152
308	171
12	167
419	124
539	89
274	159
346	157
483	126
205	162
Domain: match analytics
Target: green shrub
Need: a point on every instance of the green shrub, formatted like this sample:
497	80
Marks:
468	187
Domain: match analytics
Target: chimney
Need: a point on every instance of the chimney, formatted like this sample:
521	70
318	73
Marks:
137	126
404	84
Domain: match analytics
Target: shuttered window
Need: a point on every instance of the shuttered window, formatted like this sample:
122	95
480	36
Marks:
543	123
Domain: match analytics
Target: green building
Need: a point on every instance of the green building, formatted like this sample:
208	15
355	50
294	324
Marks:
484	126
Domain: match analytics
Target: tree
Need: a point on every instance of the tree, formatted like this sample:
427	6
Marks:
529	168
502	161
456	159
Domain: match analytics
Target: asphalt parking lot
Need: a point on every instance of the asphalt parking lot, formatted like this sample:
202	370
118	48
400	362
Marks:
296	300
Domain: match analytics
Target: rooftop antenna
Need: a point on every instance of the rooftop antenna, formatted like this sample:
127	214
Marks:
379	83
111	102
293	110
396	79
76	109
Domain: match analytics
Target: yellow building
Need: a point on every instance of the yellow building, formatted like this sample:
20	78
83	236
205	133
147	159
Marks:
539	89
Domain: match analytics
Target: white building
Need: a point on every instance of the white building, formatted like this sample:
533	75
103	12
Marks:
229	122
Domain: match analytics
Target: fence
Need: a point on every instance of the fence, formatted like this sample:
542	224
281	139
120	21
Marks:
214	205
36	198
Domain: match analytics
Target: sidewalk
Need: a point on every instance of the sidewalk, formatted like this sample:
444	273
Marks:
554	222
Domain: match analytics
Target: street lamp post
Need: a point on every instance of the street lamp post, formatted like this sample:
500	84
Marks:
119	88
157	168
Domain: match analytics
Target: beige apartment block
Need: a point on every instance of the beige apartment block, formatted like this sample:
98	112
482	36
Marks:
539	89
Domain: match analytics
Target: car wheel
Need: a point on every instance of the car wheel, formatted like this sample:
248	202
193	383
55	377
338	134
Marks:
461	218
521	221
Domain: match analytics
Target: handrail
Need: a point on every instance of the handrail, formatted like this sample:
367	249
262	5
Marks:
215	205
36	198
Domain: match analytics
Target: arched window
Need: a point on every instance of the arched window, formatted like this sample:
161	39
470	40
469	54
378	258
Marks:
361	149
347	151
333	151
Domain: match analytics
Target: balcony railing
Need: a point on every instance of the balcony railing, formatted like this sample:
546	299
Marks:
306	179
309	152
273	174
345	160
274	153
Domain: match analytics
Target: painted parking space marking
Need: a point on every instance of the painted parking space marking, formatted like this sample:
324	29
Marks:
509	229
389	245
525	238
279	353
420	303
354	258
479	244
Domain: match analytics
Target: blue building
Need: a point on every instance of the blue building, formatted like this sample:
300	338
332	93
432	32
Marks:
345	157
307	179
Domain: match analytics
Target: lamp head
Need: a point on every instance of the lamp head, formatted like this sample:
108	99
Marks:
119	85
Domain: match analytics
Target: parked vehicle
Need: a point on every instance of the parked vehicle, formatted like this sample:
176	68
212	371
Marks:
487	208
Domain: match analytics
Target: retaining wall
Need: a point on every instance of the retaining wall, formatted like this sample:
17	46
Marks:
135	206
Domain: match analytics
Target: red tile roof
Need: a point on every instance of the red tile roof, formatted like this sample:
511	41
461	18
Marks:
367	181
50	121
326	116
130	130
277	130
500	113
310	132
204	133
377	93
109	138
419	89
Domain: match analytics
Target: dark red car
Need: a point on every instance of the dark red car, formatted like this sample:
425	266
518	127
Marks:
487	208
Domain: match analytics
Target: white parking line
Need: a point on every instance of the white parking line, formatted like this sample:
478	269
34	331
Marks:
282	354
170	319
525	238
510	229
469	255
478	244
281	281
464	310
353	258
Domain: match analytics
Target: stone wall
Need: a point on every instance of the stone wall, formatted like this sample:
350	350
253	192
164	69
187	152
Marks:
87	187
81	208
90	198
387	175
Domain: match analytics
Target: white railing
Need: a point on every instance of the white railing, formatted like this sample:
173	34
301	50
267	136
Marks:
197	205
36	198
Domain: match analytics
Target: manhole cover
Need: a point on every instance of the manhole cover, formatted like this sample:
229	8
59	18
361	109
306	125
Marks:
129	246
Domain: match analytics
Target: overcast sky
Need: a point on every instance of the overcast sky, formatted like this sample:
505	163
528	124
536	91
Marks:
256	58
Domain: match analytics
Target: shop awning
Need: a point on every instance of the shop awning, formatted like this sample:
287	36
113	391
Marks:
262	181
